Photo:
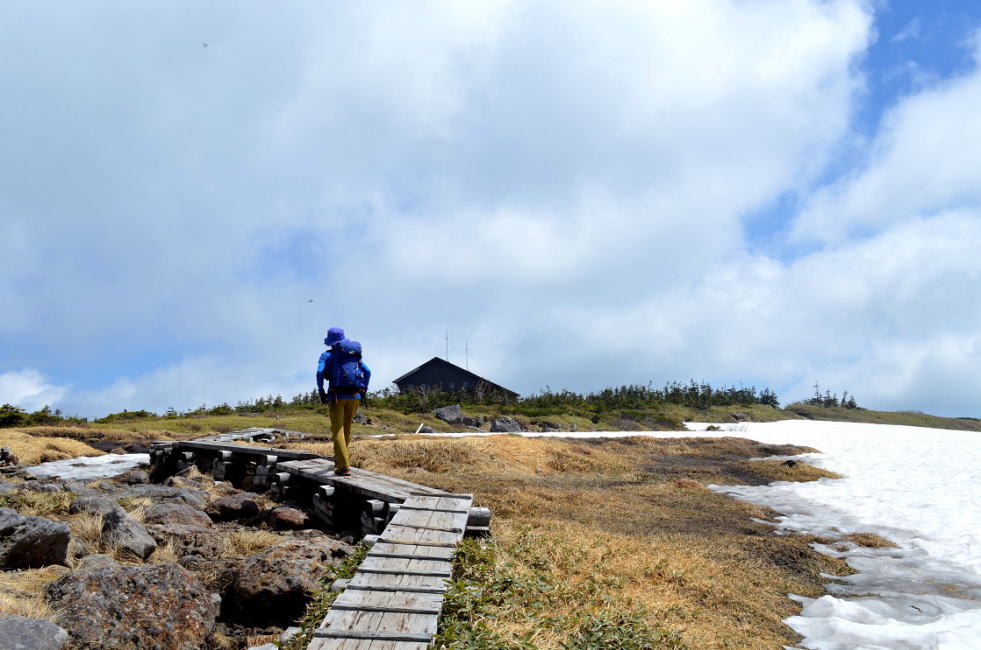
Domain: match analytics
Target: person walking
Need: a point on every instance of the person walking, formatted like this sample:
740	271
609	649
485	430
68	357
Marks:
348	376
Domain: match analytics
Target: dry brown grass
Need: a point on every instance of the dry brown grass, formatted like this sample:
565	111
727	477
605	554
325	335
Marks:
87	527
628	523
776	470
32	448
22	592
869	540
249	542
94	432
164	554
261	639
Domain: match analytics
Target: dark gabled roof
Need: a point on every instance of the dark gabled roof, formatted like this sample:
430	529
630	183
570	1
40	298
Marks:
444	362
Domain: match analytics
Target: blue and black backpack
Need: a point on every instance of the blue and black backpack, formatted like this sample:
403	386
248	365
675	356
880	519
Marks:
346	375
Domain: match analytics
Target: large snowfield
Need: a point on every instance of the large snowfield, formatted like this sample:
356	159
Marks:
920	488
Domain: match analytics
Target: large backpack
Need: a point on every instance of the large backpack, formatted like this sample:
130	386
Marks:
346	375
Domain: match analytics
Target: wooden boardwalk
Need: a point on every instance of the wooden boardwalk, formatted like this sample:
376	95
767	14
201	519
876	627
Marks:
394	600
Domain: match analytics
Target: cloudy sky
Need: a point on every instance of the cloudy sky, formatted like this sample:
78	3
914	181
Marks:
772	192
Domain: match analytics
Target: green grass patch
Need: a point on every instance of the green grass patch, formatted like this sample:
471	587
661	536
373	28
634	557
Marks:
527	588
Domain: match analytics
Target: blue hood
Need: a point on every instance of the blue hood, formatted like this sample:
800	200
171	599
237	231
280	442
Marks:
334	335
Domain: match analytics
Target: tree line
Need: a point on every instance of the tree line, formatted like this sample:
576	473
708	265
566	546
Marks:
691	394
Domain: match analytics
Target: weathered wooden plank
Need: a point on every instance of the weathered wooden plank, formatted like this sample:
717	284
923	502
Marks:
245	449
354	598
412	518
409	565
360	644
373	635
419	536
411	551
388	582
387	609
433	509
445	495
361	624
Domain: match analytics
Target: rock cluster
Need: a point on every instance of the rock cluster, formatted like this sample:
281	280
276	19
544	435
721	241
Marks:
107	602
503	423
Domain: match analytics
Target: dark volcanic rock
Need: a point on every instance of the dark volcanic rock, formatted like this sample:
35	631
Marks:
476	423
425	429
189	540
95	505
135	477
79	488
236	506
45	486
217	575
19	633
192	497
449	414
27	542
96	561
119	530
504	423
287	518
176	513
130	608
273	586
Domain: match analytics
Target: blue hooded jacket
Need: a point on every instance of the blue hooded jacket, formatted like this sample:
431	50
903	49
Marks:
334	335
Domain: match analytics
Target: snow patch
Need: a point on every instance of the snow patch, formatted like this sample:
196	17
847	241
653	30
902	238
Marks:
87	468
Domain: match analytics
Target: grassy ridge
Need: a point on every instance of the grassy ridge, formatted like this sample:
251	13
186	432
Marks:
907	418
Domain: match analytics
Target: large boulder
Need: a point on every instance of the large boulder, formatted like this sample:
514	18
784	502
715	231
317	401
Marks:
94	505
503	423
189	540
19	633
473	423
449	414
237	506
288	518
28	542
176	513
121	531
135	607
273	586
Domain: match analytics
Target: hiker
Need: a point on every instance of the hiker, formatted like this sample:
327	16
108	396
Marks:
348	378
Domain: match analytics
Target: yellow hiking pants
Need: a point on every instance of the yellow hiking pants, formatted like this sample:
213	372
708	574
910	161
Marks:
342	412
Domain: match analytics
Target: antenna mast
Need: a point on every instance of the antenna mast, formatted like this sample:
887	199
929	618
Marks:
466	347
447	357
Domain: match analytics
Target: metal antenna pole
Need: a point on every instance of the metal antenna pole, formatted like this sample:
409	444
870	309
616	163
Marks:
447	357
466	347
